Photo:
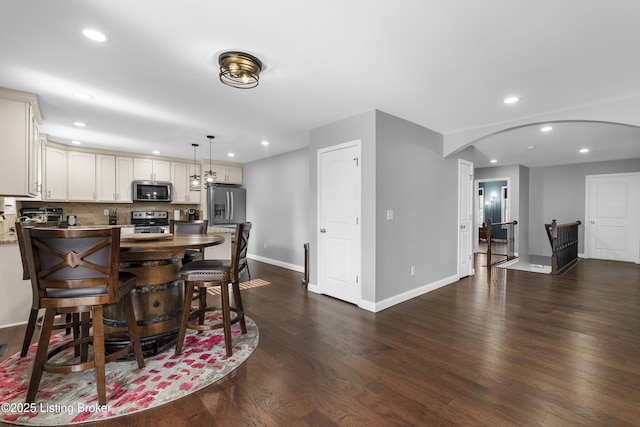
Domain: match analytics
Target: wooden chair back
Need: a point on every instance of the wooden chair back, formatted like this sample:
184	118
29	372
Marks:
188	227
243	238
20	226
73	267
238	251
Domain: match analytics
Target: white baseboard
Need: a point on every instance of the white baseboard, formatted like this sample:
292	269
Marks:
8	325
406	296
275	262
396	299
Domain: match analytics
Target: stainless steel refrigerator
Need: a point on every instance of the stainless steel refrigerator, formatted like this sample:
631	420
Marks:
226	205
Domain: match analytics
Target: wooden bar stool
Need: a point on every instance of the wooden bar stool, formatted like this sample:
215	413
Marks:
202	275
69	322
190	227
77	271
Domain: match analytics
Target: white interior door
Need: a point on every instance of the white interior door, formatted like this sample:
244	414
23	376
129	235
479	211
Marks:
613	208
465	218
339	250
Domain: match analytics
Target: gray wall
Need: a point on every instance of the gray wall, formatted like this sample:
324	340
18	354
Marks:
422	189
360	127
518	182
558	192
402	170
278	205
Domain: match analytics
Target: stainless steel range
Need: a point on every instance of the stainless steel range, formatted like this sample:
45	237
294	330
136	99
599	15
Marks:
150	221
40	214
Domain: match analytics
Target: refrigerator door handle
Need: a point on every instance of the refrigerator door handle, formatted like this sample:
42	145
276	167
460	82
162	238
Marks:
228	207
232	204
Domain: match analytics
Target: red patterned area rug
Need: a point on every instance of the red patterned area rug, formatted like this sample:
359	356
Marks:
72	398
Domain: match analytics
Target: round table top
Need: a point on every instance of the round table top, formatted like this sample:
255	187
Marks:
164	247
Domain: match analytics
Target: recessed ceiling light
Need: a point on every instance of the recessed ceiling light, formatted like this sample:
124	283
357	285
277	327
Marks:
511	100
493	161
265	143
155	152
79	124
230	154
94	35
76	142
546	129
584	150
81	95
531	147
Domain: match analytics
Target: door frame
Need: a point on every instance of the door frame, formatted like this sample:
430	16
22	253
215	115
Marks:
472	233
355	143
476	207
588	250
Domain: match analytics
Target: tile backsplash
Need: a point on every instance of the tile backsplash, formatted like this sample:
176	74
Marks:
93	213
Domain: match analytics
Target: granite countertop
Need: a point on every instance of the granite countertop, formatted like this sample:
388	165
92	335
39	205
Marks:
8	238
220	230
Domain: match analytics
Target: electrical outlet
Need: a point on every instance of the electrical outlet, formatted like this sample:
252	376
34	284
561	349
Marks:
413	270
106	212
265	246
389	215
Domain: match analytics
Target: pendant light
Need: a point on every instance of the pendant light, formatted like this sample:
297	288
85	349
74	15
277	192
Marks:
210	175
195	178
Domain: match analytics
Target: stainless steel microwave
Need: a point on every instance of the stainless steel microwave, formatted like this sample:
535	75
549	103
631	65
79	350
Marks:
151	191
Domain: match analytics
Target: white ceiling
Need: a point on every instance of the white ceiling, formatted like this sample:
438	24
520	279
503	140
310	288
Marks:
443	64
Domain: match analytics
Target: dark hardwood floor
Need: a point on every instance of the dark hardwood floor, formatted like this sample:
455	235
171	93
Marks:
509	348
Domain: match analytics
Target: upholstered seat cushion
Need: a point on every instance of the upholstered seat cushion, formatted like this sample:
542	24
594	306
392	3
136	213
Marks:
205	270
126	282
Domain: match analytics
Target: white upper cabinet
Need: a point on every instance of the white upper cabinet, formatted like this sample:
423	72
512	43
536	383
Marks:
113	178
183	189
55	174
105	178
20	174
227	174
124	177
81	177
152	170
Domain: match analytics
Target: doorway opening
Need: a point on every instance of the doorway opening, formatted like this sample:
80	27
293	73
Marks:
495	237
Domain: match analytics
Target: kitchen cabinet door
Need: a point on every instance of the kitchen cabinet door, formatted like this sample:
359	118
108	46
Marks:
162	170
105	178
234	175
193	191
152	170
180	182
227	174
55	174
81	182
181	174
124	177
20	171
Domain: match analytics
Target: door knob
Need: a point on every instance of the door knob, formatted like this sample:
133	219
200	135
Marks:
323	230
593	222
463	226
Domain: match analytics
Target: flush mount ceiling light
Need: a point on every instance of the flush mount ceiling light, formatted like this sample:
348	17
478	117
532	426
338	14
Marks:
546	129
511	100
239	69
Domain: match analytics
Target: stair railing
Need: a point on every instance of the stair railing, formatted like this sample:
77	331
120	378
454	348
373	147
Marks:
564	245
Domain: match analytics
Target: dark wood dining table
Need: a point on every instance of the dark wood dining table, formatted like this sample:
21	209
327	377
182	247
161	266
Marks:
159	292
